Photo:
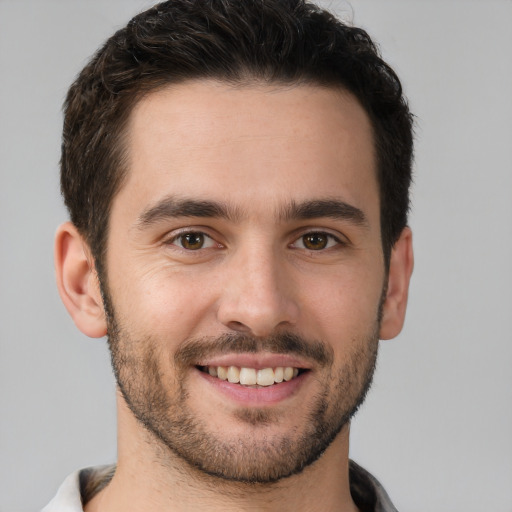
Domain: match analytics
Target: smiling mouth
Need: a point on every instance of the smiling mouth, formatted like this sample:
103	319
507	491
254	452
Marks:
252	377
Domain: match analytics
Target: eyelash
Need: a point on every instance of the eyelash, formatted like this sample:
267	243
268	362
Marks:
330	241
181	236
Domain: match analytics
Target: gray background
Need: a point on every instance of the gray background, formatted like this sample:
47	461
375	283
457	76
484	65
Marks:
437	426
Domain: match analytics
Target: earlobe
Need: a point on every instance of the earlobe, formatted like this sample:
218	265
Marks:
77	281
400	270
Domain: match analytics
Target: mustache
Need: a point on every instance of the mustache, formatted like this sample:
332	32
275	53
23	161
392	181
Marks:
197	349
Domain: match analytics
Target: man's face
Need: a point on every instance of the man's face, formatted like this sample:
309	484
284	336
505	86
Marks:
247	235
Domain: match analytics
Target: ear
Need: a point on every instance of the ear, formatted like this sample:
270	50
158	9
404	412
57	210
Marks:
77	281
400	270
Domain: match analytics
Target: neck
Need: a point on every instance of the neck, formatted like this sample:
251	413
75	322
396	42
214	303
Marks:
150	477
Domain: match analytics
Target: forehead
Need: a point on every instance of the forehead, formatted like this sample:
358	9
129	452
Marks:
253	144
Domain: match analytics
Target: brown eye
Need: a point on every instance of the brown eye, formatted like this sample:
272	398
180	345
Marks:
193	241
315	241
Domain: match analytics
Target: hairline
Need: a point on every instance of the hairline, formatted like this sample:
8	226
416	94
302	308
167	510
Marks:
134	96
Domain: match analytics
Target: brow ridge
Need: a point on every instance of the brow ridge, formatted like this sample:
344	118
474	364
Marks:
325	208
173	207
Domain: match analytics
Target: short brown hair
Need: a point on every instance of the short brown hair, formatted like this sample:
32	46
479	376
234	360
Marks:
274	41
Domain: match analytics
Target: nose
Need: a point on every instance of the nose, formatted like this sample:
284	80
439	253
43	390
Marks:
258	294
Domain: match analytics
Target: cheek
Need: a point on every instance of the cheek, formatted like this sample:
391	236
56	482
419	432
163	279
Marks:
163	303
345	307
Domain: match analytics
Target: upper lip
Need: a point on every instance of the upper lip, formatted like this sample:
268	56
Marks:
257	361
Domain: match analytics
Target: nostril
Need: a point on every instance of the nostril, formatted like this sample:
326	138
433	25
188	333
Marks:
238	326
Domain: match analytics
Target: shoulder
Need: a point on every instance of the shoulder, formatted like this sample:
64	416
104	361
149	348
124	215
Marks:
367	492
79	487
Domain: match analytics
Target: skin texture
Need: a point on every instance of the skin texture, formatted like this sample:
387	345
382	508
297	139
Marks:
261	155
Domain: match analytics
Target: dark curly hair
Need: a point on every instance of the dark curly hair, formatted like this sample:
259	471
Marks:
271	41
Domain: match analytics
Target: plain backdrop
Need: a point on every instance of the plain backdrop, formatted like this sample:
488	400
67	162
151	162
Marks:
436	428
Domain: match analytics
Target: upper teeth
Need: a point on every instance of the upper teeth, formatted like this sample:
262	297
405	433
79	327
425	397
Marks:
253	377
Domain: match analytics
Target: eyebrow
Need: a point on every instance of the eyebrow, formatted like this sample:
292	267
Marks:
325	208
174	207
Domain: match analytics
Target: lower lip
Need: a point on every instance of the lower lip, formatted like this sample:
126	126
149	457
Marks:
266	395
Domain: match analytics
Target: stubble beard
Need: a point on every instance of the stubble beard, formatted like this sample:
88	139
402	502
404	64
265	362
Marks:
246	458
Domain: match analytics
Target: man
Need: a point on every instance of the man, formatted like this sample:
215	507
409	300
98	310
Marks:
237	178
